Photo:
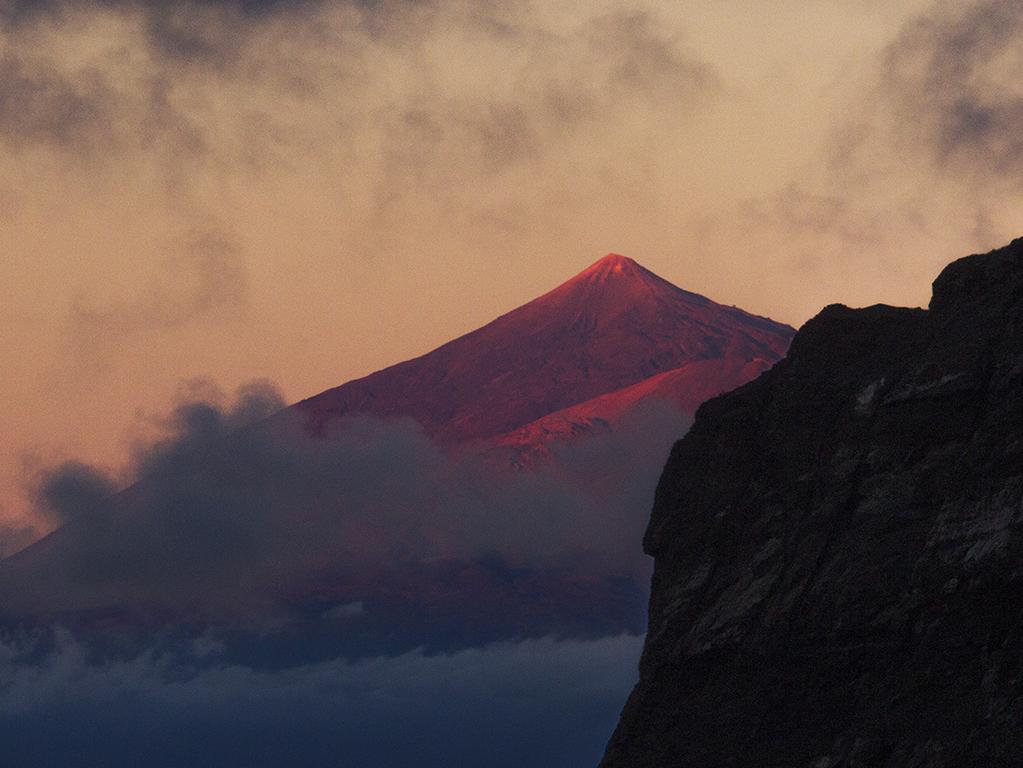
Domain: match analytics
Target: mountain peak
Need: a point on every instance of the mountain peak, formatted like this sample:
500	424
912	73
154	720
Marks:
612	265
614	260
609	287
608	327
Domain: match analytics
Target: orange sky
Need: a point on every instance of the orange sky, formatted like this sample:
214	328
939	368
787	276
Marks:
309	192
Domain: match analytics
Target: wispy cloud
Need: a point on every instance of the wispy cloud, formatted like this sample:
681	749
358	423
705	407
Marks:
952	81
201	277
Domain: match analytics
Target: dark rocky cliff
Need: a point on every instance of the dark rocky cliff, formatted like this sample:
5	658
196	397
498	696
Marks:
839	549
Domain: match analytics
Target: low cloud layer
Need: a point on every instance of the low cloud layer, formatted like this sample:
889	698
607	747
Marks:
284	589
14	537
536	703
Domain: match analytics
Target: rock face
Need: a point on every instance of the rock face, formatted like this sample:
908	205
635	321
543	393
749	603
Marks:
839	549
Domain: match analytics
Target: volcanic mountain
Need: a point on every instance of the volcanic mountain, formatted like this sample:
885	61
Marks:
584	353
340	501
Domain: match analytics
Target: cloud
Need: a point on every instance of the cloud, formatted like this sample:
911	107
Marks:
952	81
538	703
234	514
916	162
345	610
14	537
39	105
202	74
94	113
73	492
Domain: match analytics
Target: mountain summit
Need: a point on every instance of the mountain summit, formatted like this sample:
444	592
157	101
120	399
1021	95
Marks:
611	268
612	326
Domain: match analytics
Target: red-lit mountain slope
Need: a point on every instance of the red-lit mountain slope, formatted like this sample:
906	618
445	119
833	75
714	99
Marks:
684	387
611	327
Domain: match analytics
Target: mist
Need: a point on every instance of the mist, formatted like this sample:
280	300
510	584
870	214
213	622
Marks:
537	703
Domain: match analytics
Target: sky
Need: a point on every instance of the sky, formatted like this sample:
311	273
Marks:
198	193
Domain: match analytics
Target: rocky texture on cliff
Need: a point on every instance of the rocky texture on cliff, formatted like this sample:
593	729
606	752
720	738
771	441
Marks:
839	549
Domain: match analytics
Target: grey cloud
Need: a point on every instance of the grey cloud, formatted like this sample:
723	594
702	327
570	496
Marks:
813	216
24	11
374	103
220	511
649	58
809	225
164	128
625	60
560	88
212	34
926	150
205	33
88	114
563	83
952	79
73	492
41	105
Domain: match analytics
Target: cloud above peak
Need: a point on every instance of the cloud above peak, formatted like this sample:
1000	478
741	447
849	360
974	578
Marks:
953	81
